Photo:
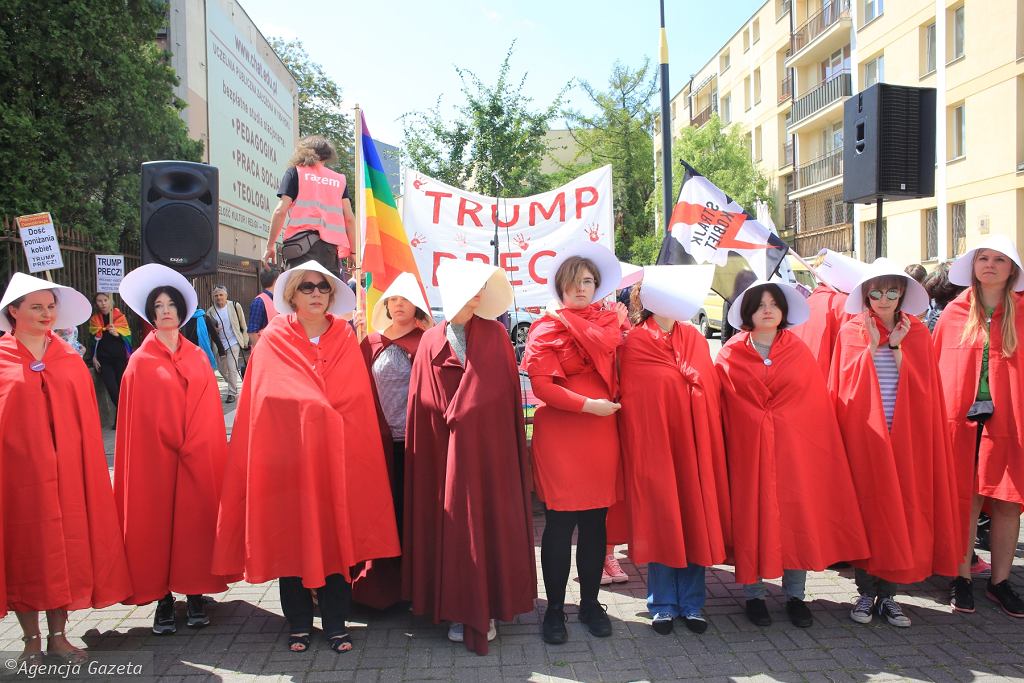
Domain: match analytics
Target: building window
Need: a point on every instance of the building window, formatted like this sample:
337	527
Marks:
726	110
929	49
782	8
931	234
673	111
874	71
746	94
757	144
872	9
748	140
757	86
958	221
957	132
869	240
756	28
746	39
724	61
957	39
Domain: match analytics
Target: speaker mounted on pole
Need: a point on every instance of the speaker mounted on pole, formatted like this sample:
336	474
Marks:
180	202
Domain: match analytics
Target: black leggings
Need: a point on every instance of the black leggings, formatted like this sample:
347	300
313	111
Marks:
335	600
111	372
556	548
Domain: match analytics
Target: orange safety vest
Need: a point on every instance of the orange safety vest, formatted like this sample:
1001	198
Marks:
268	304
318	207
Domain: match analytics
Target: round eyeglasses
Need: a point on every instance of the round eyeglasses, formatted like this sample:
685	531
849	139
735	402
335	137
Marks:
891	294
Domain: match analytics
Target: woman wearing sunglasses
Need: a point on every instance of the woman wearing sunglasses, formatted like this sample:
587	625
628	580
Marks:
885	384
977	340
306	493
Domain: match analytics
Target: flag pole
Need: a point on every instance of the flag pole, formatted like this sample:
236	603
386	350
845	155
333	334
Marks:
666	125
360	212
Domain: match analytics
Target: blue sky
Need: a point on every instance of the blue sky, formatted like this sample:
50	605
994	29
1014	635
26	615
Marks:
397	56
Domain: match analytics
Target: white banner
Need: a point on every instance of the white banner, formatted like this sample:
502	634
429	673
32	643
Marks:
39	239
109	272
445	222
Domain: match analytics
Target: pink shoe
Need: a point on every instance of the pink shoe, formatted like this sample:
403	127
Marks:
612	572
980	567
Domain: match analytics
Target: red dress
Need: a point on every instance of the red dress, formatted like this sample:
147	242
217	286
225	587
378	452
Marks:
62	546
306	487
168	468
575	454
904	476
822	327
793	501
673	450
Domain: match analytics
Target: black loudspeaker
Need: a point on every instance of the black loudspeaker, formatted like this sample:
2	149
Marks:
179	216
889	144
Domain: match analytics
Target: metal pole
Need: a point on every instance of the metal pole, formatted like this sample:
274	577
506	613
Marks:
666	124
878	228
357	252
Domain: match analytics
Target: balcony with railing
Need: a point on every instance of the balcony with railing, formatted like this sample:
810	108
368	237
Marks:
703	116
821	96
786	90
823	221
824	168
818	23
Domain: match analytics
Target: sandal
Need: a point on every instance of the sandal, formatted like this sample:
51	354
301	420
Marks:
338	643
30	658
298	642
72	656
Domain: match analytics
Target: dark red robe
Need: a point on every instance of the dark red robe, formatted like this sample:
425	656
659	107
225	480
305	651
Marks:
62	546
168	468
306	487
673	450
822	327
904	476
468	539
793	501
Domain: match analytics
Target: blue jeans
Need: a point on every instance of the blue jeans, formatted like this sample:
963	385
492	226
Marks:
675	592
793	583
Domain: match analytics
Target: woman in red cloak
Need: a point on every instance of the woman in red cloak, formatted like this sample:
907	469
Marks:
468	539
793	504
977	341
673	450
306	494
570	357
885	385
61	546
170	454
399	318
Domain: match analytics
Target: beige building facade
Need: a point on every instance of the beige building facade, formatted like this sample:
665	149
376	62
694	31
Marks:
783	78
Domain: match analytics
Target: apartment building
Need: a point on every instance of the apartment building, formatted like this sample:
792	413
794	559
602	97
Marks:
812	55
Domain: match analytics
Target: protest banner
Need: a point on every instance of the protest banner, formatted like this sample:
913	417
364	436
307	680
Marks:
109	272
39	239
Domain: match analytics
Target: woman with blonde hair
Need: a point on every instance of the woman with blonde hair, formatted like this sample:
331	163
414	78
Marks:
977	341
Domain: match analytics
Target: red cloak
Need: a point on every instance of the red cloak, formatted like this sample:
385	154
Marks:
904	476
380	584
1000	465
62	543
822	327
673	450
468	539
576	454
306	487
168	468
793	501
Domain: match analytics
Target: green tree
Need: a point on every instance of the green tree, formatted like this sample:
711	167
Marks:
86	96
495	143
619	133
321	110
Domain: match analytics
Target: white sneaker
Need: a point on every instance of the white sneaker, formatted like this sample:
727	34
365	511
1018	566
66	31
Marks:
456	632
492	630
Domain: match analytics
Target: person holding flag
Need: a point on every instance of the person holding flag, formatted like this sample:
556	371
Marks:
112	344
794	507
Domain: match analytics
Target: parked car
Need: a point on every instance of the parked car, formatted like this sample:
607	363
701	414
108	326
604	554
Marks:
708	318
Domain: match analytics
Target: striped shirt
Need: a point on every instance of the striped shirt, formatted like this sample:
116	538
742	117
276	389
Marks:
888	380
391	373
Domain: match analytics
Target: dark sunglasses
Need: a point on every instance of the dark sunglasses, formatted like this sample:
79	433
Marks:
307	287
891	294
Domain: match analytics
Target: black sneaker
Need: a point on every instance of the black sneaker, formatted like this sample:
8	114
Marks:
799	613
893	613
696	623
195	611
961	595
553	630
163	618
663	624
757	612
594	616
1003	595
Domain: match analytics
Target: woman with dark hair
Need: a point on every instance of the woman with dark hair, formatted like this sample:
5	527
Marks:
112	343
885	387
673	450
570	358
978	343
940	292
61	548
170	454
793	504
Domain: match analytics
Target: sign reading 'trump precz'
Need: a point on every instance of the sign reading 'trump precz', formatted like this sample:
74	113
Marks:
39	238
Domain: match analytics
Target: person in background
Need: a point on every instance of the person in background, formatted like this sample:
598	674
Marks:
112	344
233	338
261	310
940	292
203	330
917	272
70	335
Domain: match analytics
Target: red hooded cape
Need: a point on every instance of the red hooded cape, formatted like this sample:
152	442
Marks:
822	327
576	454
793	501
380	584
904	476
1000	470
306	487
62	544
168	467
672	448
468	539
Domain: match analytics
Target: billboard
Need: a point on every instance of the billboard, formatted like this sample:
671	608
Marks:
251	123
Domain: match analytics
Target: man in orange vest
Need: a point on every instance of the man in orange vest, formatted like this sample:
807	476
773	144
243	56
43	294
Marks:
314	209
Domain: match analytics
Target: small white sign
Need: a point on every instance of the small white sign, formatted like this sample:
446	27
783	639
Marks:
109	272
39	238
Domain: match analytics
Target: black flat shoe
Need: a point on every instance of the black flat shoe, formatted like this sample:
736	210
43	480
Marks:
163	618
757	612
594	616
553	630
195	611
696	624
663	625
799	613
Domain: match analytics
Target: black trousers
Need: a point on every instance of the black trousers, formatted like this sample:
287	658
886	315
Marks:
556	551
398	482
335	600
324	253
111	372
868	584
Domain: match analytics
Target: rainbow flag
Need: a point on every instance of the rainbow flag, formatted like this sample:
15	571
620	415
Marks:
386	250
